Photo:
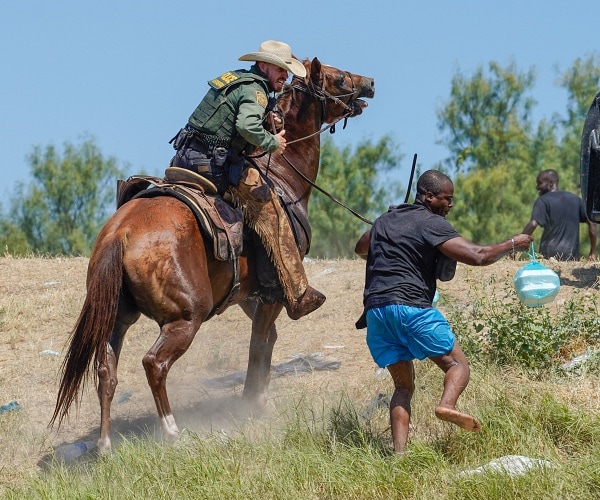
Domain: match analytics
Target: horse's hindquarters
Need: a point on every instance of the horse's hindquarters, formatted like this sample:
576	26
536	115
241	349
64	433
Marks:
165	262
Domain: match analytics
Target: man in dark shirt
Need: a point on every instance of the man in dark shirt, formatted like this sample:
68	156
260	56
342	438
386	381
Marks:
559	213
407	249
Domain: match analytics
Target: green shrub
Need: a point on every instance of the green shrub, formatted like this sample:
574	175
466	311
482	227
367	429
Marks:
497	327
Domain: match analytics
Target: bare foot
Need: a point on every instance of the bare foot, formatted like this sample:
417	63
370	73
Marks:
463	420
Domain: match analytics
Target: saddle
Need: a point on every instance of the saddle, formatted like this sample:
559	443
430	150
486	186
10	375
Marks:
220	221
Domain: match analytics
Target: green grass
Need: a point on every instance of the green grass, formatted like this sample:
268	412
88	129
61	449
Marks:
323	448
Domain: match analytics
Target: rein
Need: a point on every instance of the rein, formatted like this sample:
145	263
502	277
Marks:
329	195
330	127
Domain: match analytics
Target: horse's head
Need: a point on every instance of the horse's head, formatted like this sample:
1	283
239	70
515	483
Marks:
338	91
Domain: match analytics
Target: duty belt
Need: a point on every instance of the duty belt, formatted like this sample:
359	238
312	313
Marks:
210	141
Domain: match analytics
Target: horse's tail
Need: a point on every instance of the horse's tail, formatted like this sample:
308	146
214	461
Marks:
92	331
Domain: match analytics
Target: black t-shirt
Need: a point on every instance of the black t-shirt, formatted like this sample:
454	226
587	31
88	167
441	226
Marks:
401	264
559	213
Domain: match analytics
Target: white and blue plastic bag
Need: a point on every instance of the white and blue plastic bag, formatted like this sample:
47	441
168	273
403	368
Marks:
535	283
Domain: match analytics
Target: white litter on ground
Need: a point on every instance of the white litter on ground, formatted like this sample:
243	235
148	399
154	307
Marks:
379	401
49	352
513	465
578	360
324	272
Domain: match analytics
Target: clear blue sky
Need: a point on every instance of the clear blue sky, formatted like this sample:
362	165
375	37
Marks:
129	73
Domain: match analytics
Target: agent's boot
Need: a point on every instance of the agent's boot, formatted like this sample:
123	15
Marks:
270	222
310	301
251	187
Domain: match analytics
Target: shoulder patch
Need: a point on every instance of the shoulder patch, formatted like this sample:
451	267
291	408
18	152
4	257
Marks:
261	98
223	80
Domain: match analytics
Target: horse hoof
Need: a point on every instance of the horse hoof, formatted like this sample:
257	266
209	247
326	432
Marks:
103	447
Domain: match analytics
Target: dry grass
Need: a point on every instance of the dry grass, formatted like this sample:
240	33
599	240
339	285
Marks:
40	301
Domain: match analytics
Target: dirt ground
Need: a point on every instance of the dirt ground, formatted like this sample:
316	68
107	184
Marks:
40	300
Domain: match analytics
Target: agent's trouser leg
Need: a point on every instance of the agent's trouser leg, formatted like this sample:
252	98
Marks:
264	213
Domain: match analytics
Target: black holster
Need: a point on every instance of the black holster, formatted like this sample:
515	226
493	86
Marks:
234	165
181	138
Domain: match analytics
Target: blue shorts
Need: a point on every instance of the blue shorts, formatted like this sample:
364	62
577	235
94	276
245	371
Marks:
402	333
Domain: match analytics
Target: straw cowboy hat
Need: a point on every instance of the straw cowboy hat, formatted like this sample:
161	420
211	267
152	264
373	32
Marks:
279	54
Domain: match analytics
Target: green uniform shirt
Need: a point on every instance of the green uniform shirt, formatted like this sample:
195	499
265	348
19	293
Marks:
234	108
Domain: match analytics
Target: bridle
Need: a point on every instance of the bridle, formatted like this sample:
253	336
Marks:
322	95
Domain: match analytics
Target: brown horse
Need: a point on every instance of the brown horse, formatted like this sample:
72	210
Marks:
151	258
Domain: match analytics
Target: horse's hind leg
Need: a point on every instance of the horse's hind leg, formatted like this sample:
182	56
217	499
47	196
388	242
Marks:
107	383
173	341
107	373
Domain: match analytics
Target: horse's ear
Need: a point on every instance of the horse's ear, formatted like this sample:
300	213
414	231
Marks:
315	70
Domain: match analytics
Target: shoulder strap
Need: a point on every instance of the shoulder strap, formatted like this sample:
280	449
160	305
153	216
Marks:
233	77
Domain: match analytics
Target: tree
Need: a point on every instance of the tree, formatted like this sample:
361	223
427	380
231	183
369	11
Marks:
357	178
487	116
62	209
495	151
489	204
582	82
495	202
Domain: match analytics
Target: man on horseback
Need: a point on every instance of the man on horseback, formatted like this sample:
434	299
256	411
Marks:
228	125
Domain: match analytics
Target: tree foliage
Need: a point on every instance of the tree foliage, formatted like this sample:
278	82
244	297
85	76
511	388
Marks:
496	151
486	117
356	178
64	206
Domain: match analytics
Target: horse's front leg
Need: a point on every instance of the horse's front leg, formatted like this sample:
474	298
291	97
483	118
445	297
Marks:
264	335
